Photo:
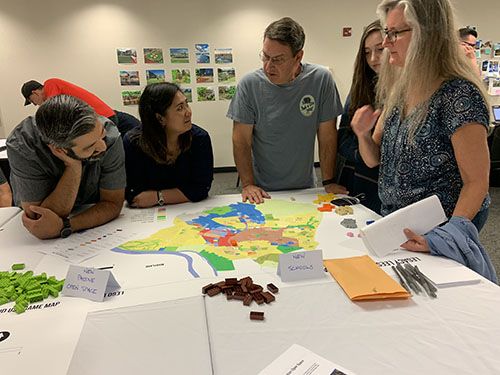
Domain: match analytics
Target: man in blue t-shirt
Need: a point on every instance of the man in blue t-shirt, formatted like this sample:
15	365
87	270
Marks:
277	112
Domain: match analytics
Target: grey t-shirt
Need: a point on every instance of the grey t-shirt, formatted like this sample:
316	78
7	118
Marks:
286	119
35	171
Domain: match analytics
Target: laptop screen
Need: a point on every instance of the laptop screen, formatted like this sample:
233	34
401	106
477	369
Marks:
496	112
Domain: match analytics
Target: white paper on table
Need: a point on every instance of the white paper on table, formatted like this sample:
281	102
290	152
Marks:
7	213
451	276
298	360
386	234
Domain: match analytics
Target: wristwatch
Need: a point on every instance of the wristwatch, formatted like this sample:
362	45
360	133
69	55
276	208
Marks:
328	182
161	201
66	230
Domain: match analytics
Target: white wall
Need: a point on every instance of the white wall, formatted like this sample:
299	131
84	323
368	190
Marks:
77	41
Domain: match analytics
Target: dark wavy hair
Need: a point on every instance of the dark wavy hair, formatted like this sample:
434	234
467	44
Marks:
364	78
152	138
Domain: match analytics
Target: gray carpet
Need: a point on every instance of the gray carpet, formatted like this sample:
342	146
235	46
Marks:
225	183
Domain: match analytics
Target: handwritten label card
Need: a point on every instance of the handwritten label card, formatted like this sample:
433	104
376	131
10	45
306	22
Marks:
89	283
301	265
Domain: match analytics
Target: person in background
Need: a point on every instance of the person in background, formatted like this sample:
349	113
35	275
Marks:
356	176
277	112
168	159
35	93
62	159
468	40
5	191
430	138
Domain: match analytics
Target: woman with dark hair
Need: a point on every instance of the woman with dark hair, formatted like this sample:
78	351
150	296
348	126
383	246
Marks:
168	159
355	175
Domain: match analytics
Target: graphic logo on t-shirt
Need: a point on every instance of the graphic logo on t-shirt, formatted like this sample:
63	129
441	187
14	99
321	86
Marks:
307	105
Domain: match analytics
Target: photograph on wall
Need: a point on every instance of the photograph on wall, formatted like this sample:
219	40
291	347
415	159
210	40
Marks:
179	55
202	53
493	68
204	75
206	94
188	93
226	75
130	97
496	50
223	55
226	92
180	76
486	46
154	76
129	78
153	56
126	55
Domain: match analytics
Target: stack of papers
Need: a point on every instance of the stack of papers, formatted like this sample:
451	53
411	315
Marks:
386	234
362	279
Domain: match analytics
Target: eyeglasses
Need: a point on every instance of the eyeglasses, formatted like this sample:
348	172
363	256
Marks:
392	35
469	44
274	60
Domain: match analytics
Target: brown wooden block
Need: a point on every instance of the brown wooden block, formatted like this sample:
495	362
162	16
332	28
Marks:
206	288
214	291
272	288
231	281
256	315
258	298
248	300
268	297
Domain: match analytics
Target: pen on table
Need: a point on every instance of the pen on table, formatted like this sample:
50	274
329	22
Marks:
105	268
427	280
401	281
411	281
420	277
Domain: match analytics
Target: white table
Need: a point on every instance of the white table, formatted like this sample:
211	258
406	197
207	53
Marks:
161	322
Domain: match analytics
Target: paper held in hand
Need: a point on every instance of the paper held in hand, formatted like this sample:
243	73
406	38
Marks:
386	234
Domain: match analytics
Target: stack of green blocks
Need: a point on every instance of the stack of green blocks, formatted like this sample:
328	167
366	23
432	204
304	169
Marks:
24	288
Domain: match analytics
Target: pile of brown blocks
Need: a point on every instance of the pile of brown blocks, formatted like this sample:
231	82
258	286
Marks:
243	290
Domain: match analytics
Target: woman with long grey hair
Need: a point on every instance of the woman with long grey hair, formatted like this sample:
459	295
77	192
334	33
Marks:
431	135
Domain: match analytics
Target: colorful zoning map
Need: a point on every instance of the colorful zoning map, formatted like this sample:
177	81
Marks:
224	234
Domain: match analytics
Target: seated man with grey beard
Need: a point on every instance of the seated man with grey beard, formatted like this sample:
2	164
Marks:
65	157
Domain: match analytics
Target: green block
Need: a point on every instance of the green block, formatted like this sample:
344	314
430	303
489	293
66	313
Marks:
19	309
53	291
18	266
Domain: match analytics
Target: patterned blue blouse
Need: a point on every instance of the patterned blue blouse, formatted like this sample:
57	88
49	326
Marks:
411	171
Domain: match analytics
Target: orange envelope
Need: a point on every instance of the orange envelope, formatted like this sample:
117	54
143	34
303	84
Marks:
362	279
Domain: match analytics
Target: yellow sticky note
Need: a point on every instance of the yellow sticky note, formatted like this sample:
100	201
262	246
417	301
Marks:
362	279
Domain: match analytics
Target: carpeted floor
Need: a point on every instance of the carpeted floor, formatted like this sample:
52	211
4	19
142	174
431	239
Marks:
225	183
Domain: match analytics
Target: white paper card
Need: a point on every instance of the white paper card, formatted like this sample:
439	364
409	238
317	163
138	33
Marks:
386	234
298	360
89	283
447	277
301	265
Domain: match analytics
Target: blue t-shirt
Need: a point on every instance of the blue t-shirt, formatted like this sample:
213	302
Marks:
286	119
412	171
192	172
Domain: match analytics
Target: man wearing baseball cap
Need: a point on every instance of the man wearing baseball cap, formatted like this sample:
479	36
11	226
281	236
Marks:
35	93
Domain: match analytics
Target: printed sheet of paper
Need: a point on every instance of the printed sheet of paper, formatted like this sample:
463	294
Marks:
298	360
